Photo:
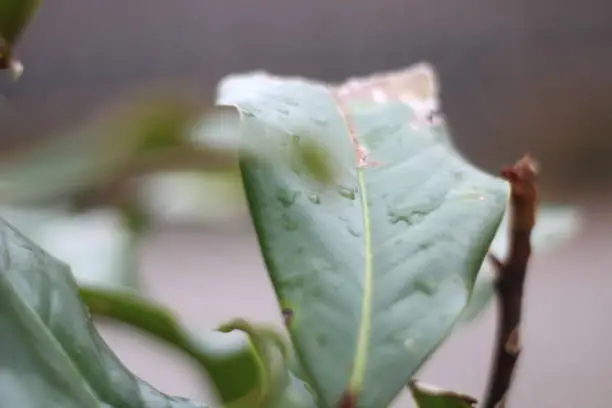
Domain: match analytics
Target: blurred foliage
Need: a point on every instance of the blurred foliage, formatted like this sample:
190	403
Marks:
88	196
14	17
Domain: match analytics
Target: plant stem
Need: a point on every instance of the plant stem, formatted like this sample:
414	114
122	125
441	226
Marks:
510	281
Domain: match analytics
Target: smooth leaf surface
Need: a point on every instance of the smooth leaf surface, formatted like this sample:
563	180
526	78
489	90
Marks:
372	273
50	351
427	396
555	226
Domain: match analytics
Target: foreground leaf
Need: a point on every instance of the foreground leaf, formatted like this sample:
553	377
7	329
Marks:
555	226
373	273
52	351
427	396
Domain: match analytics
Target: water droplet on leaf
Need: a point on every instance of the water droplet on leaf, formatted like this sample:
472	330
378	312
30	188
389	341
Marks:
287	197
353	232
313	198
289	224
349	193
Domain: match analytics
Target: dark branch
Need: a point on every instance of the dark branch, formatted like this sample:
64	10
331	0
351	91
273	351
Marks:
511	278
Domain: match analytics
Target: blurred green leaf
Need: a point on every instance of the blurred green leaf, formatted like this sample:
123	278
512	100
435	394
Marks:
96	162
15	15
52	351
232	365
192	197
246	363
97	245
375	270
555	226
427	396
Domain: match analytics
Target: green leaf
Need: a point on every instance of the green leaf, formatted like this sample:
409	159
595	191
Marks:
427	396
374	271
97	245
54	355
232	365
97	162
15	15
246	371
555	226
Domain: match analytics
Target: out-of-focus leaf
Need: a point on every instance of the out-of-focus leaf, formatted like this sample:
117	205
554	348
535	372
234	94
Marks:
427	396
97	245
376	269
104	155
192	197
15	15
227	358
53	353
555	226
245	363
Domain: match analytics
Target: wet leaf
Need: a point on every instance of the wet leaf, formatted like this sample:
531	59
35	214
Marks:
373	272
50	347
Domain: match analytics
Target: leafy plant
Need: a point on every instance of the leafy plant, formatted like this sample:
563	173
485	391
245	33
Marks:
373	227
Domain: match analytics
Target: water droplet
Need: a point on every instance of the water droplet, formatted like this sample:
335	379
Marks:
289	224
353	232
320	121
409	217
248	114
349	193
291	102
283	111
410	344
295	139
426	286
313	198
287	197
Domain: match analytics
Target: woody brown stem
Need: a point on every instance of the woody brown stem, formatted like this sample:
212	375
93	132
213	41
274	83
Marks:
511	278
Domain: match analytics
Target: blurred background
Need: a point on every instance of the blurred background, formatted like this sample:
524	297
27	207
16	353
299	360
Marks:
516	76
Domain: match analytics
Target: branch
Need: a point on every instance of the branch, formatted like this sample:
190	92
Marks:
511	278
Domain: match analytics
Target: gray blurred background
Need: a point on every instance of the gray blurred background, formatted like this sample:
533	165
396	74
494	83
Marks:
516	76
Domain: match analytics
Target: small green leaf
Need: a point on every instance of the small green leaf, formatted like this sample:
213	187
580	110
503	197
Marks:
49	345
374	270
555	226
427	396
